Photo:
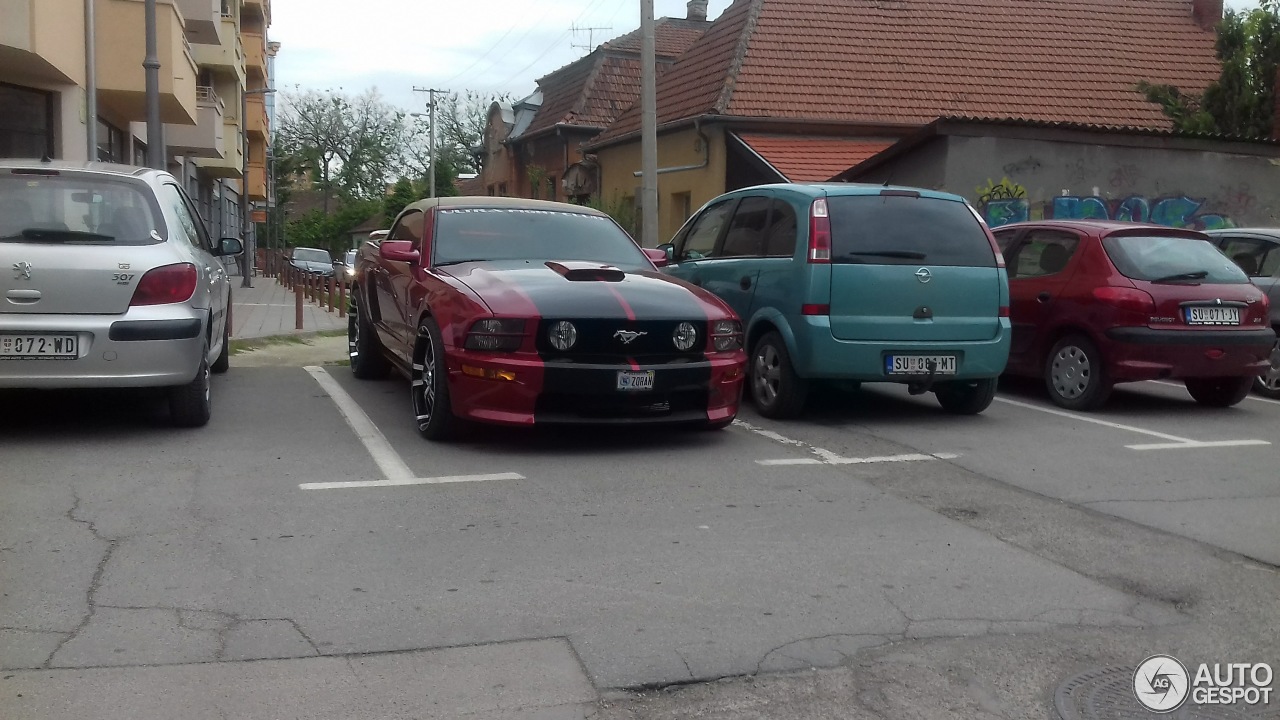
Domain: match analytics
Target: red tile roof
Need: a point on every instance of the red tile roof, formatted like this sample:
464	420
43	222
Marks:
913	61
812	159
595	90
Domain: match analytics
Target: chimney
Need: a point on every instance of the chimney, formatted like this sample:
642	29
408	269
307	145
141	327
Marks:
1207	13
698	9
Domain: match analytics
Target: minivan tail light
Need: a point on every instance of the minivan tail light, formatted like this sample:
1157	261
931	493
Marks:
165	285
819	232
1138	305
815	309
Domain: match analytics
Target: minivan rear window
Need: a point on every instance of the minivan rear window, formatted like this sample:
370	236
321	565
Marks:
77	209
907	230
1166	258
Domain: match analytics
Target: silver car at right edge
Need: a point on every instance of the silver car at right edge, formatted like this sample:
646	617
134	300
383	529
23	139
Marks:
1257	252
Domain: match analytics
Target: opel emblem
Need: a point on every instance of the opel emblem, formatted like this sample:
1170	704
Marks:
923	275
628	336
22	270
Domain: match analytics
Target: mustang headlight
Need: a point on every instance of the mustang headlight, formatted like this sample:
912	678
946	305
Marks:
685	336
496	335
726	335
563	335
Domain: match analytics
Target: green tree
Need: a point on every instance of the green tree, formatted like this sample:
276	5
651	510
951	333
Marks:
1242	102
401	196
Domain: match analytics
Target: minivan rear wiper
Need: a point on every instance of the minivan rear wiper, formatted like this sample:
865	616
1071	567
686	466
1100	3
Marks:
1197	275
897	254
47	234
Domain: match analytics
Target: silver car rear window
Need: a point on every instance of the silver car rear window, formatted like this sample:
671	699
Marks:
77	209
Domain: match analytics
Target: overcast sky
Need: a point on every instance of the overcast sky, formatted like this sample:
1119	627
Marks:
491	46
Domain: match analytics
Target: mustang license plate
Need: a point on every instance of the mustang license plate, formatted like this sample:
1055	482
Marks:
1213	315
631	381
920	364
25	347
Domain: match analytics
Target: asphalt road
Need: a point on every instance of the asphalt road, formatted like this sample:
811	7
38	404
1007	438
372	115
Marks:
617	560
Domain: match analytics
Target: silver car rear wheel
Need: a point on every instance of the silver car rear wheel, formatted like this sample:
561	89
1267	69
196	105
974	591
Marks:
1269	385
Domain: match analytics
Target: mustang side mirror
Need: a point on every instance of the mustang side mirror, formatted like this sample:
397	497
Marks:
398	251
660	257
230	246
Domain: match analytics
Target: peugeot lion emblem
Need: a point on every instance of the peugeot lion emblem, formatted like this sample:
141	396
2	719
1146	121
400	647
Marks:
923	275
22	270
628	336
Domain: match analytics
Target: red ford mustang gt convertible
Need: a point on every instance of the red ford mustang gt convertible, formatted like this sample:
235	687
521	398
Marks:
518	312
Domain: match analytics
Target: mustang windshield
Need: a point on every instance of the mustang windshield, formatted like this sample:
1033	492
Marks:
489	234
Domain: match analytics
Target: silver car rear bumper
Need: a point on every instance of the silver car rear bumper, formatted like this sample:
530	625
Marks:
145	347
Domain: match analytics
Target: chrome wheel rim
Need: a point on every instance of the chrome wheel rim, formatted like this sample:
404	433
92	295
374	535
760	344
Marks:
1271	381
424	382
353	338
768	374
1071	372
208	395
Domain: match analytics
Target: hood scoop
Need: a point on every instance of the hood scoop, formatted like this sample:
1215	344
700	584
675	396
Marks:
587	272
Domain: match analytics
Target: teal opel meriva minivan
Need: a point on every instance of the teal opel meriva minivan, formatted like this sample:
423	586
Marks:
861	283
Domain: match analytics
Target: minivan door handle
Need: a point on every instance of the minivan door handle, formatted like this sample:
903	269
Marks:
1044	297
745	283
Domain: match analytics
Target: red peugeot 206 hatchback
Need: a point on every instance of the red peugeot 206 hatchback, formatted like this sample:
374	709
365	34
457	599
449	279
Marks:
1093	304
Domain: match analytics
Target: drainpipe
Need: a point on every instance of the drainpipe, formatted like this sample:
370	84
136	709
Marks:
90	81
706	154
151	64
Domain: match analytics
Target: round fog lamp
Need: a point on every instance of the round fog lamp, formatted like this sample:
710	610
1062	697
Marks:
563	335
685	336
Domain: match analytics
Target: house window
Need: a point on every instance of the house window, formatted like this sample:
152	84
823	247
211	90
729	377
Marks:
682	207
26	122
139	153
110	143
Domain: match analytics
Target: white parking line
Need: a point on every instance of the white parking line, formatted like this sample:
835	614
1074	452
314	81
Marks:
1175	442
1255	398
826	457
393	467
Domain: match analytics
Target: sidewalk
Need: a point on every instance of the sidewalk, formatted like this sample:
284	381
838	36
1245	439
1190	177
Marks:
267	309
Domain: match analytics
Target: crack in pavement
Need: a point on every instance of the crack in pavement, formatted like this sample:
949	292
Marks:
685	660
94	583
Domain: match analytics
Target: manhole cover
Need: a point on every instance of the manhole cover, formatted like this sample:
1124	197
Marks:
1107	694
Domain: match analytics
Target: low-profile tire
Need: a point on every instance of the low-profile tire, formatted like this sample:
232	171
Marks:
189	405
1268	385
1075	375
432	409
966	397
775	388
1219	392
223	363
365	351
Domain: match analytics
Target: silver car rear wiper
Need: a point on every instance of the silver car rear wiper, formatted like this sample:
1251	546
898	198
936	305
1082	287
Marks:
57	234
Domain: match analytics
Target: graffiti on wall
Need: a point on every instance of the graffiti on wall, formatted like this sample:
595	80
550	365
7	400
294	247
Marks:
1003	202
1180	211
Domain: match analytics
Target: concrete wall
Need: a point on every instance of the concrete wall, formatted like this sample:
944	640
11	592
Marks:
676	149
1011	179
924	167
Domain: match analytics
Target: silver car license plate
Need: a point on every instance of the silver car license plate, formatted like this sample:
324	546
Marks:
1213	315
635	381
27	347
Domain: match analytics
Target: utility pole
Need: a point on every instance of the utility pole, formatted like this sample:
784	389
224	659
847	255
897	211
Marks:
431	143
91	80
151	64
648	128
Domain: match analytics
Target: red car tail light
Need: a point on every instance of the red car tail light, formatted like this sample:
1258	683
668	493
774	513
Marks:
1136	306
165	285
819	233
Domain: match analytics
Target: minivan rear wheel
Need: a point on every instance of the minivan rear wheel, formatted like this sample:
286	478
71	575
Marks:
1219	392
1269	385
778	392
966	398
1075	375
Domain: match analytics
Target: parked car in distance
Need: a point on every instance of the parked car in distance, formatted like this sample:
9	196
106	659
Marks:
1257	252
346	267
861	283
518	312
110	280
312	260
1095	303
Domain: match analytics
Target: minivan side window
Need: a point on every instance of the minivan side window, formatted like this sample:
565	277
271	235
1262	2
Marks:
896	228
701	240
1043	253
780	236
746	233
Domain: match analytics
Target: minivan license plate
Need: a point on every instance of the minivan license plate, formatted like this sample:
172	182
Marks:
24	347
920	364
632	381
1213	315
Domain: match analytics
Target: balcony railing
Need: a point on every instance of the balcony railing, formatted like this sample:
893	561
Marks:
209	96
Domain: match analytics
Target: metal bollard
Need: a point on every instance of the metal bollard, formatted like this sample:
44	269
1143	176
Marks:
297	307
328	291
342	299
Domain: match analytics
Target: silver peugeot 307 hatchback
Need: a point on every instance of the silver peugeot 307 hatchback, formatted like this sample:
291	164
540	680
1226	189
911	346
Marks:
108	278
